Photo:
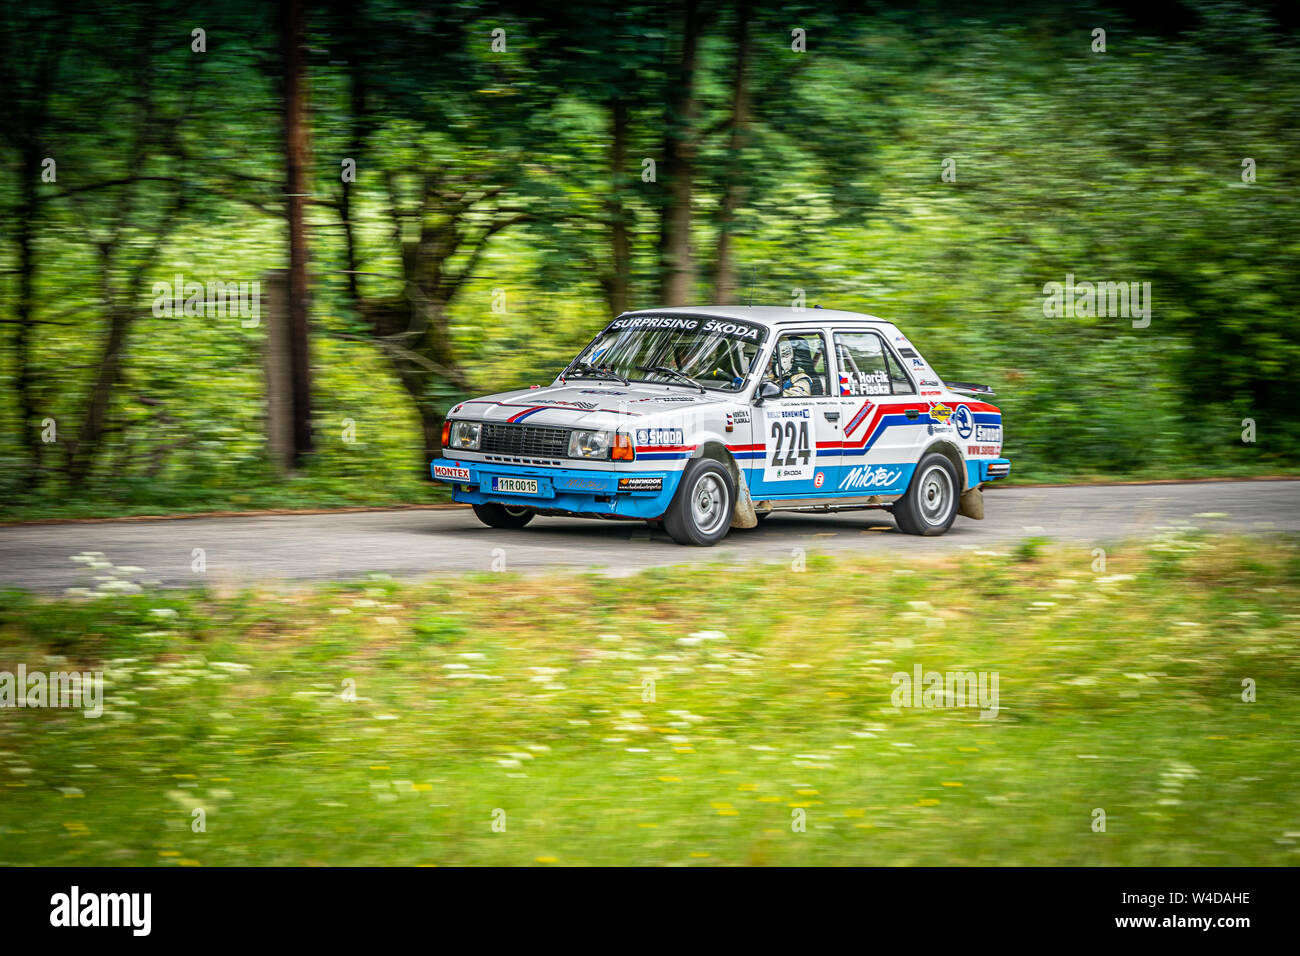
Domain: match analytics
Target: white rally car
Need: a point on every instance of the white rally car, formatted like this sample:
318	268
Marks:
713	418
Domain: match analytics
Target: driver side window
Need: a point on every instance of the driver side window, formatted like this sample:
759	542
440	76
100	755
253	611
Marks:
798	365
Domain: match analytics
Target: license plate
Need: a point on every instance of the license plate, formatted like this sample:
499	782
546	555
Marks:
515	486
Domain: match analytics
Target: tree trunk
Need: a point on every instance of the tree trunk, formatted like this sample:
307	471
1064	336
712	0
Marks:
292	40
676	262
24	378
85	447
620	244
724	276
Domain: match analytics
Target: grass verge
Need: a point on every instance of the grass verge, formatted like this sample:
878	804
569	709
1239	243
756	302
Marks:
679	716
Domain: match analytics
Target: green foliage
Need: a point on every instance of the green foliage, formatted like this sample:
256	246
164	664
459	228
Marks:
1122	166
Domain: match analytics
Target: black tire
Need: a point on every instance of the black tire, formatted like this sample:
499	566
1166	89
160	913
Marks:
930	505
503	516
701	510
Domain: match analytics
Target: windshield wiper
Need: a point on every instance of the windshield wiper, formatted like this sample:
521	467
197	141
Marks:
665	370
605	370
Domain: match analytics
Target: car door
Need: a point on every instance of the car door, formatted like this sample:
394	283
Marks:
883	417
799	432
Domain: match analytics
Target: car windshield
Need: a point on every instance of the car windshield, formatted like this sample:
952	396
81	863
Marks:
716	353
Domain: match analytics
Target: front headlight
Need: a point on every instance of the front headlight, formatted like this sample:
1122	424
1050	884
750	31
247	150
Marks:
594	444
465	435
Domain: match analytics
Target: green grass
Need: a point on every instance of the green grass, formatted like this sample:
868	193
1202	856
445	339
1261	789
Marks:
1118	689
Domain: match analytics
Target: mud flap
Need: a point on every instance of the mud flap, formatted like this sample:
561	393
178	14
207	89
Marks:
743	516
972	504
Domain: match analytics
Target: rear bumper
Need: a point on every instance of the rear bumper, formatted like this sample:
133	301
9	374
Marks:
577	491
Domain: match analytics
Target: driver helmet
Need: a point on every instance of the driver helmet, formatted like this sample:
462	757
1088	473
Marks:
784	357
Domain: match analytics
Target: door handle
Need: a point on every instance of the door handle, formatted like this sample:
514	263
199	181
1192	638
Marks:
832	416
913	413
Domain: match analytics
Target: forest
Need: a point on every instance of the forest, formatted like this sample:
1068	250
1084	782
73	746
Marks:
457	196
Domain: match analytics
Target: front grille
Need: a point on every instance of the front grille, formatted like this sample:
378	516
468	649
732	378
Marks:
527	440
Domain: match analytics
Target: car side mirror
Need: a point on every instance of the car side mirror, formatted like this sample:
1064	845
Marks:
767	390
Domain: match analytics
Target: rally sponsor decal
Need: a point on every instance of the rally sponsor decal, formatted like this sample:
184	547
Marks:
791	444
870	476
727	327
964	420
858	418
983	451
659	436
579	484
640	483
451	473
991	433
820	479
940	412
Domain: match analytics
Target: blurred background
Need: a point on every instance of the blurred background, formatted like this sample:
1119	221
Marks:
455	197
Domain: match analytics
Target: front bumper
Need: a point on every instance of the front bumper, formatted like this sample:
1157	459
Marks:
981	470
597	493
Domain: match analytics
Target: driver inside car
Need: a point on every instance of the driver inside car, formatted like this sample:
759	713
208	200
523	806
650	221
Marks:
793	382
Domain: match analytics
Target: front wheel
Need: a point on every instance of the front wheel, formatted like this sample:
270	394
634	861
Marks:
930	505
503	516
701	510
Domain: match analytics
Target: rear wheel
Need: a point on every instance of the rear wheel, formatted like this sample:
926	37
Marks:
503	516
930	505
701	510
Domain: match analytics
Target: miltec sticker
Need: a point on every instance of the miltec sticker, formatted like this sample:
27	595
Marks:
580	484
791	453
870	476
659	436
453	474
964	421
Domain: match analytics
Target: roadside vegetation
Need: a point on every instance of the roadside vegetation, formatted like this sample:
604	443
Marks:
937	165
676	716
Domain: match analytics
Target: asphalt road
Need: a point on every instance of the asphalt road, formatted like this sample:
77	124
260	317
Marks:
412	543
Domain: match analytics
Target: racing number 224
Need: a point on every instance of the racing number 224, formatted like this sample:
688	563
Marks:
796	443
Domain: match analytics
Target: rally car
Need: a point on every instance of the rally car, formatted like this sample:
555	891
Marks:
706	419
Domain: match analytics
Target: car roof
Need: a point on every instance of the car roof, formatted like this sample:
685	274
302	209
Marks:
769	315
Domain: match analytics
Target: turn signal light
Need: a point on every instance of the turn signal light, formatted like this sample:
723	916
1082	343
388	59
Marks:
446	434
622	450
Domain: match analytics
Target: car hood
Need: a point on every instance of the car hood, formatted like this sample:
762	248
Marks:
588	404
